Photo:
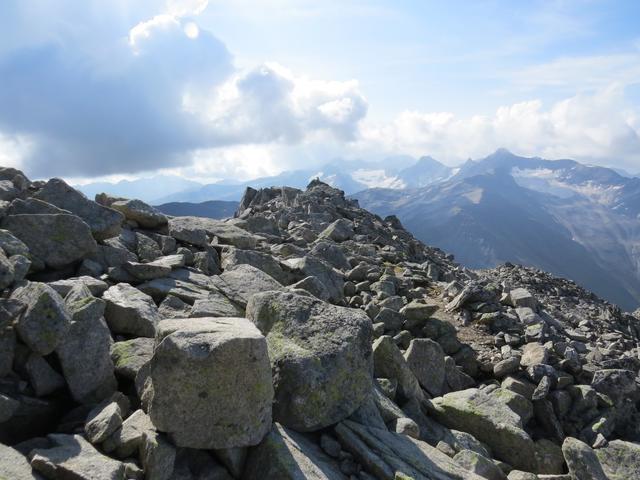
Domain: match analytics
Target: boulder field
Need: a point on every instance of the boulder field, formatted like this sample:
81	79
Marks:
305	338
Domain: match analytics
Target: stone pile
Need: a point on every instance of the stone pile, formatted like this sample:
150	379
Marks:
304	338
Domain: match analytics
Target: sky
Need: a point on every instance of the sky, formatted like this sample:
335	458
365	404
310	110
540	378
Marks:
213	90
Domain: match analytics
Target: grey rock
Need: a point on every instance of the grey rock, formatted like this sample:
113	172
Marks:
125	440
84	350
45	321
144	215
42	377
320	355
104	222
287	455
146	271
130	311
582	460
339	231
7	271
215	305
12	245
15	466
481	466
620	460
129	356
425	358
617	384
53	240
102	421
241	282
490	421
157	456
205	361
63	287
232	256
72	457
332	279
389	363
388	455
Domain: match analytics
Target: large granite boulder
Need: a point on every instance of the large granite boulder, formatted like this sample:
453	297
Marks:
103	221
490	421
54	241
209	383
287	455
320	356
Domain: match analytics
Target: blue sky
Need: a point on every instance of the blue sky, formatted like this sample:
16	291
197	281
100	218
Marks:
238	89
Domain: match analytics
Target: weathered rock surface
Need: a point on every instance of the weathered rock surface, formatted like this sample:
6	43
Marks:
104	222
54	241
129	311
491	422
144	215
45	320
320	355
205	362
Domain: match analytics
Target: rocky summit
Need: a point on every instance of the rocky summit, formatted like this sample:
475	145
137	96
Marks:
305	338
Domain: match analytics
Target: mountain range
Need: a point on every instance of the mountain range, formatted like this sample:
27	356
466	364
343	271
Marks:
574	220
350	176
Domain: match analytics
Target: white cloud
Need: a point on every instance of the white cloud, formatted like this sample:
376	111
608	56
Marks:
271	104
600	127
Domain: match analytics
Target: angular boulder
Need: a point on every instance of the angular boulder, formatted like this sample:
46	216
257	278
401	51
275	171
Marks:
209	383
72	457
144	215
320	356
490	421
45	321
242	281
104	222
389	363
130	311
426	360
54	241
84	351
287	455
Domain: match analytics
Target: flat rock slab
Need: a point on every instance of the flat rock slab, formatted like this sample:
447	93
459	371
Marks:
15	466
210	383
73	457
225	233
320	355
388	455
287	455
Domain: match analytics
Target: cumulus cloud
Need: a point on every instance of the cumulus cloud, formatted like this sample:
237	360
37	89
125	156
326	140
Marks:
599	126
138	89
